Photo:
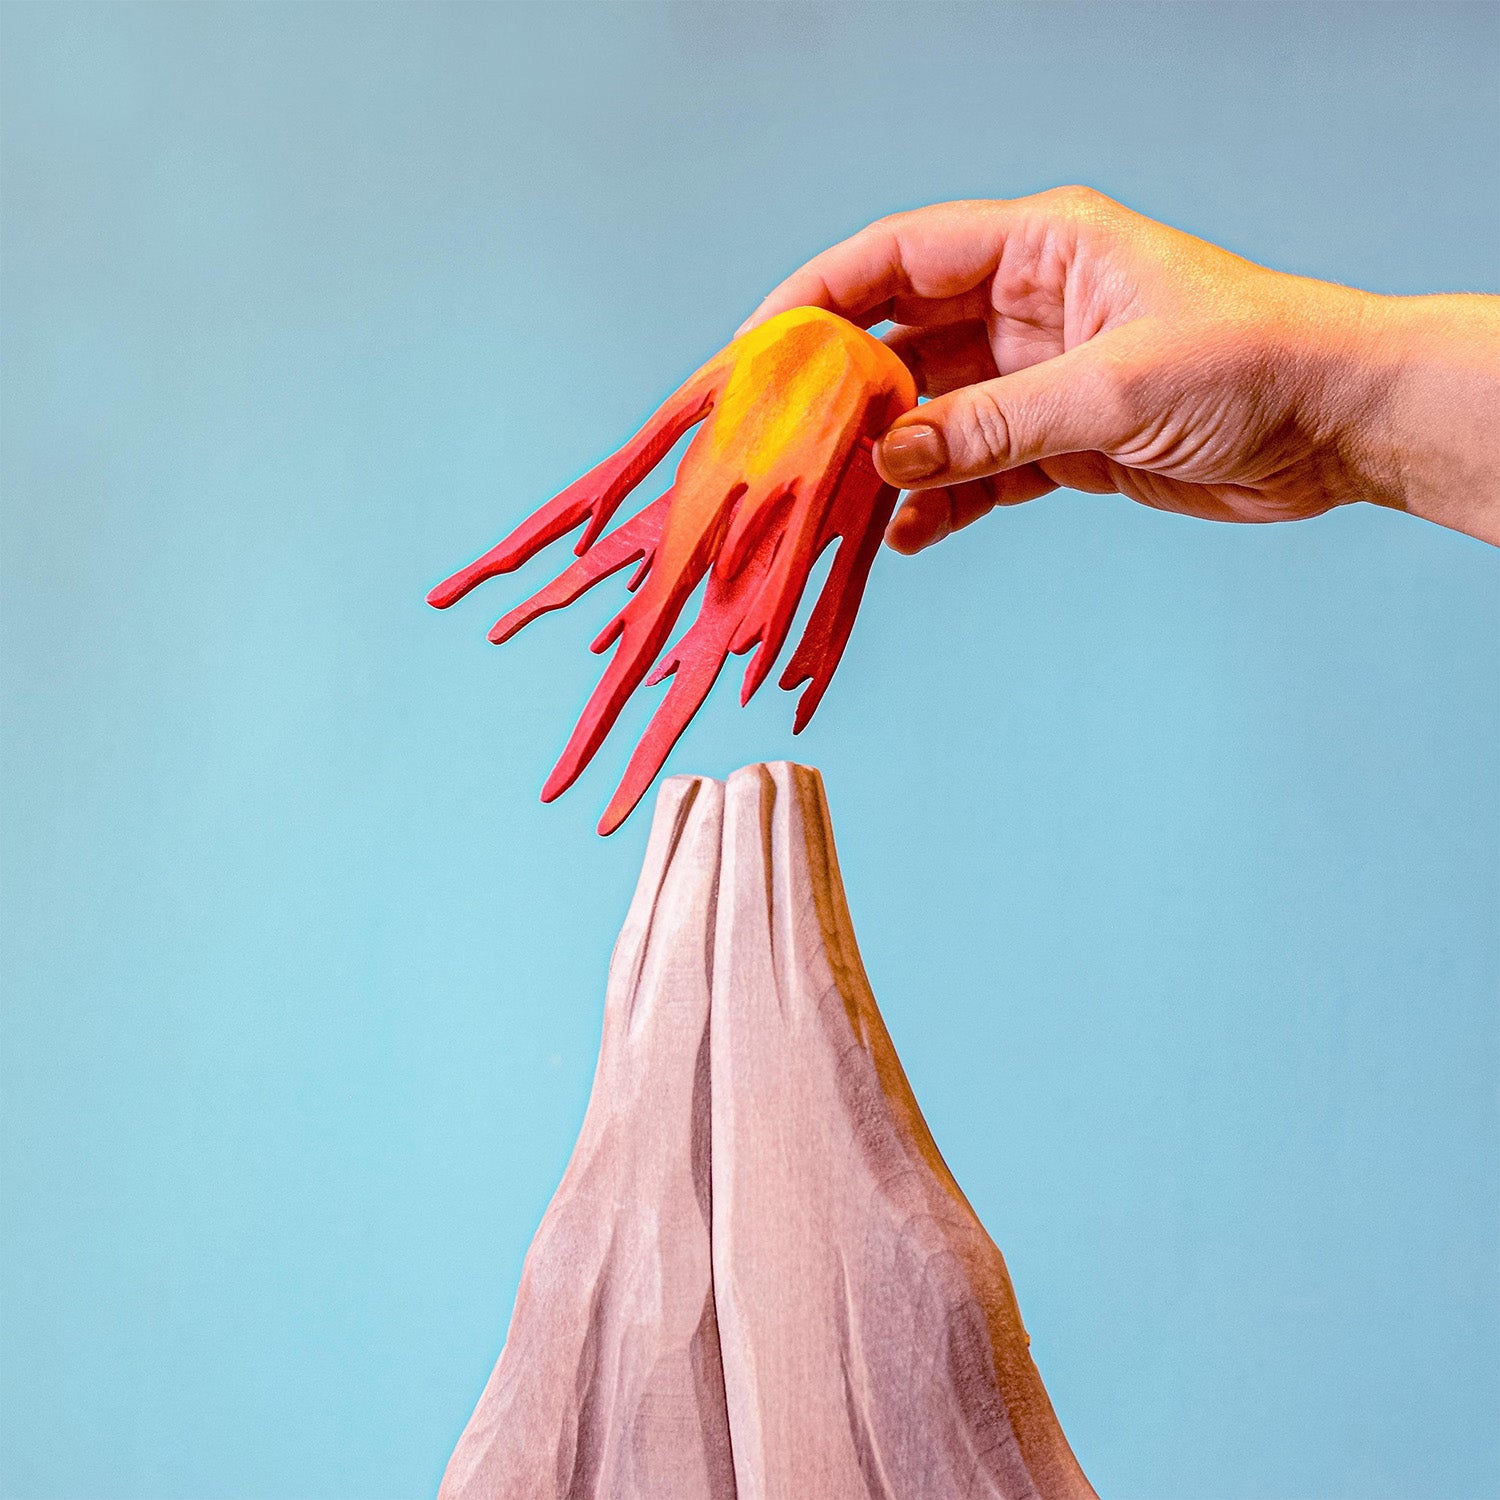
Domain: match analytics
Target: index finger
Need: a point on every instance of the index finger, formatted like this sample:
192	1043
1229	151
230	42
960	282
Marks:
930	254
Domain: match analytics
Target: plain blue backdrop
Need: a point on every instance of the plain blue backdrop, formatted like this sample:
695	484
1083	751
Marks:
1172	847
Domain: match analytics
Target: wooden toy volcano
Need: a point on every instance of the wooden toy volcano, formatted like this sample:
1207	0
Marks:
780	470
758	1278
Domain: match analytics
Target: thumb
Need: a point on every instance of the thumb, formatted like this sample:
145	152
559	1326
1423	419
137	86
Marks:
1072	403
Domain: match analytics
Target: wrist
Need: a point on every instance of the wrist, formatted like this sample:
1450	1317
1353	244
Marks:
1425	430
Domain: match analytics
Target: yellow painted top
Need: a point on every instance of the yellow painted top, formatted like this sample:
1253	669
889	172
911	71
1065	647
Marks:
791	376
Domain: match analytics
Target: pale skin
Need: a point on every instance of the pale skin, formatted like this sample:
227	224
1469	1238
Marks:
1064	340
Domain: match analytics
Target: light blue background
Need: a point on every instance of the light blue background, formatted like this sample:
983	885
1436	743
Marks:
1172	847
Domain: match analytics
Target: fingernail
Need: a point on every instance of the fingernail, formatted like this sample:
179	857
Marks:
914	452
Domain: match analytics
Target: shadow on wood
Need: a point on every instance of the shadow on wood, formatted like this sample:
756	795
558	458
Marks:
758	1277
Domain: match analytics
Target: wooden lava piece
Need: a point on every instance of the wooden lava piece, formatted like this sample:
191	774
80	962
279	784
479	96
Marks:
758	1277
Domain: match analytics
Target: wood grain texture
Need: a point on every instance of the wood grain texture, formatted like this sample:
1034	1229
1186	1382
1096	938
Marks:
872	1343
610	1381
758	1277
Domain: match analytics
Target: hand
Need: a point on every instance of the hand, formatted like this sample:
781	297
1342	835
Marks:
1064	340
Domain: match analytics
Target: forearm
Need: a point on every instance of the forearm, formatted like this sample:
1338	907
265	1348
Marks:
1430	441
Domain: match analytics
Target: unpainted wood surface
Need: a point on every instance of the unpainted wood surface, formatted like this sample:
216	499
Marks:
610	1382
758	1277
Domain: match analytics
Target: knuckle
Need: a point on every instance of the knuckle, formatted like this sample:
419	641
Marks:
1083	204
895	223
986	431
1073	195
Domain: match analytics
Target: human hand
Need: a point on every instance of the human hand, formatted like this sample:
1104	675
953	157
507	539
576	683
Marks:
1065	340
